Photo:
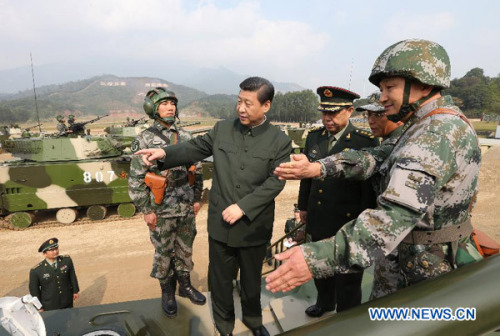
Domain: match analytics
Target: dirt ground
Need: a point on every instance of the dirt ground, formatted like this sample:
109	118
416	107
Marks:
113	259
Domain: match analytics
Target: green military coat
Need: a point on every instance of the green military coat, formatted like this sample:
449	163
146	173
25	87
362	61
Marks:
331	203
54	287
244	161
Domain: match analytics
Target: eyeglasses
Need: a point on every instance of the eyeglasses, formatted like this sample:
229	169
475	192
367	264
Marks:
376	115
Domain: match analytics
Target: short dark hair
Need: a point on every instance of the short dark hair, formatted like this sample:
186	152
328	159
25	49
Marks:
264	88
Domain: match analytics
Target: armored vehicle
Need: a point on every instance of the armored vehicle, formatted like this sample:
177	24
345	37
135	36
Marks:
64	174
127	131
463	302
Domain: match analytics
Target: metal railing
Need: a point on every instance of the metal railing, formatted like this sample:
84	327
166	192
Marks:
278	247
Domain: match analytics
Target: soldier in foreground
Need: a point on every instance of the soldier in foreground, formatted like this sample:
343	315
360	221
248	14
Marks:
326	205
429	181
169	200
53	281
246	150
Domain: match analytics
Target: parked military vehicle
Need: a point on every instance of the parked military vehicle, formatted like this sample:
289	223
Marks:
469	294
125	133
64	174
298	135
68	174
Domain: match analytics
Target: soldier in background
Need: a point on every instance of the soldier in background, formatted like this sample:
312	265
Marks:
326	205
53	281
62	129
429	180
129	122
387	278
299	235
172	226
71	120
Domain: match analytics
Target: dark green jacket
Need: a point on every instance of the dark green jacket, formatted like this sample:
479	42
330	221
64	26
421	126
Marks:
54	288
244	161
331	203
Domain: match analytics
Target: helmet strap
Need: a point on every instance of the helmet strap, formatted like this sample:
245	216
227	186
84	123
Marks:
407	108
390	127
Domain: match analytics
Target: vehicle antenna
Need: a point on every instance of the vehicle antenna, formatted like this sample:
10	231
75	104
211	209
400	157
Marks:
34	90
350	74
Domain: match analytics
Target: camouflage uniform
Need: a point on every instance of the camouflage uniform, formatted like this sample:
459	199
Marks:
386	278
62	129
429	182
176	228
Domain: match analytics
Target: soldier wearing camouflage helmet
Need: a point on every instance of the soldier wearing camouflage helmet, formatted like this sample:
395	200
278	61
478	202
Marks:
386	279
172	226
429	180
62	129
71	120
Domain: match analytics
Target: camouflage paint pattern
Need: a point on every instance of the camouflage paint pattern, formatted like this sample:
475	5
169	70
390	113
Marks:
430	182
62	148
62	172
423	60
176	227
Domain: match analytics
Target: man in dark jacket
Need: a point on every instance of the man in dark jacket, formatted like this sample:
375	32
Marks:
326	205
241	206
53	281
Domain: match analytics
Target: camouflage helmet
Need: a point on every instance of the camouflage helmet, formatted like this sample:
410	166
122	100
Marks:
60	118
422	60
71	117
370	104
153	99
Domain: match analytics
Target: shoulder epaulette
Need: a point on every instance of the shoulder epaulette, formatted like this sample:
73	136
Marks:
364	133
39	264
316	129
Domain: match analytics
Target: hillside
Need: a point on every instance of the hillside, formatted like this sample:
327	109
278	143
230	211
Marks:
99	95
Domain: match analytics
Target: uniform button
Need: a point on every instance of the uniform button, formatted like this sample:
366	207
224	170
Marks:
425	264
409	265
60	292
348	214
320	191
319	202
246	149
242	167
237	186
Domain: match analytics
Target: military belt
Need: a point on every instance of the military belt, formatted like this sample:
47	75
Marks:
445	235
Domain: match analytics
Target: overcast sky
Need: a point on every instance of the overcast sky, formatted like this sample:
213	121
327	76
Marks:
311	43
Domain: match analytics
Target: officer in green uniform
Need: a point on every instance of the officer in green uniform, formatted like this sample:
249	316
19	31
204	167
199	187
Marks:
241	207
291	223
326	205
53	281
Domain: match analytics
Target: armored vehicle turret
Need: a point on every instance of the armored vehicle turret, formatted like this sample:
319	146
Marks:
64	174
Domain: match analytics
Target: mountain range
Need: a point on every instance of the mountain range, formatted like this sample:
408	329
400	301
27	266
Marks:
110	94
209	81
